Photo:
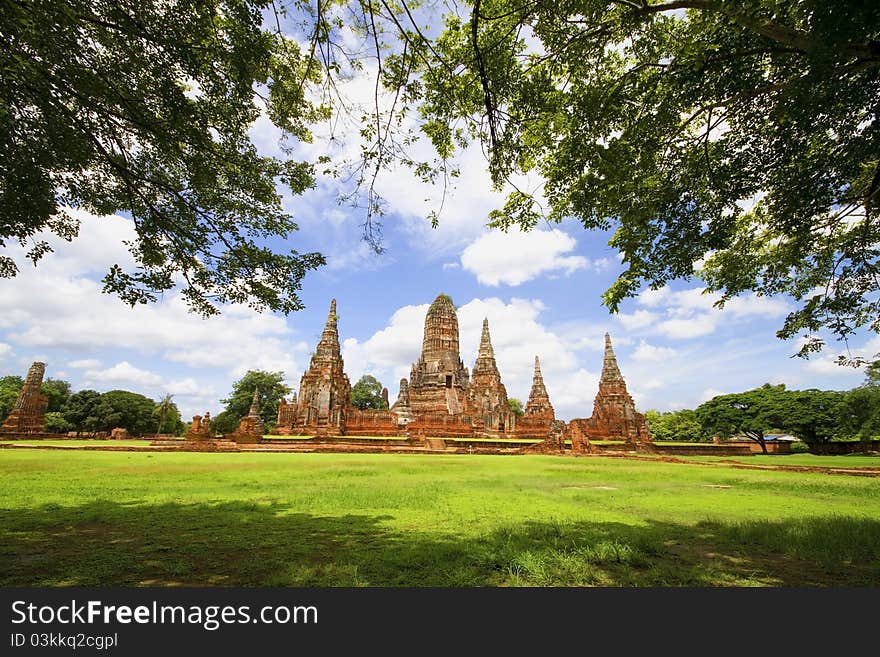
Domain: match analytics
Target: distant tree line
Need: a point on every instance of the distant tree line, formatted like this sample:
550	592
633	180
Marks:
89	411
813	416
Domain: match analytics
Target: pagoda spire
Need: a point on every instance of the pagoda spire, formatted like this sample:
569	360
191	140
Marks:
328	346
486	350
539	400
255	403
610	370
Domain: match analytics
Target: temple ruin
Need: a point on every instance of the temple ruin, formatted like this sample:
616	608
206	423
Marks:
324	390
251	427
442	399
28	414
614	412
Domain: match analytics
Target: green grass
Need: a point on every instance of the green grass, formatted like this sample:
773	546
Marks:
842	461
135	519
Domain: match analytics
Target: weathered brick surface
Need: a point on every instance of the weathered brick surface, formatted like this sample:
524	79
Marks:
486	395
538	417
28	415
439	381
614	413
200	428
324	390
251	427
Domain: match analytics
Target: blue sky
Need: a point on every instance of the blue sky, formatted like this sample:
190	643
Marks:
540	291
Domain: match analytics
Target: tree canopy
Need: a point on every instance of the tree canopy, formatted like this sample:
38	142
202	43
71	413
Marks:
238	404
516	406
128	410
144	107
9	388
748	414
367	394
814	416
738	142
735	142
80	410
682	425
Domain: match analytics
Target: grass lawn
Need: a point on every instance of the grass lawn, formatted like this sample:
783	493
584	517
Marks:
129	518
817	460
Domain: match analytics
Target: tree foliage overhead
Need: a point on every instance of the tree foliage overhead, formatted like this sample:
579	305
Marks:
145	107
736	141
740	135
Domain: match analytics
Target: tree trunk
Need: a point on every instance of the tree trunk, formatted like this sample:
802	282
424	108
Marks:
758	438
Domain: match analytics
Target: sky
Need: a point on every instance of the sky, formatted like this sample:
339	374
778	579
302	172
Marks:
540	290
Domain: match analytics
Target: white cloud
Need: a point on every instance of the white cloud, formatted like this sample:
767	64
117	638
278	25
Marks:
691	313
687	328
124	373
650	353
5	350
390	350
85	364
709	393
638	319
59	306
602	264
186	387
514	257
755	306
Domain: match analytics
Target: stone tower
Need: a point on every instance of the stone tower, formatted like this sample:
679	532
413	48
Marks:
439	380
324	390
254	413
614	412
401	407
251	427
487	396
538	405
28	415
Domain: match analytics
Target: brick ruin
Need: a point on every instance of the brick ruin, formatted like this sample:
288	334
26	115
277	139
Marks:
538	415
28	415
251	427
614	412
442	399
200	429
487	396
324	391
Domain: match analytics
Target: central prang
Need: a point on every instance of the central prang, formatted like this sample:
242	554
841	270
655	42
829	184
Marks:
439	380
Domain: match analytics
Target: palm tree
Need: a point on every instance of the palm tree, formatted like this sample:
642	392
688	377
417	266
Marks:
162	409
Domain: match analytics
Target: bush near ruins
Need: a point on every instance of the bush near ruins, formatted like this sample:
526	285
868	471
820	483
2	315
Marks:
682	425
516	406
367	394
272	389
